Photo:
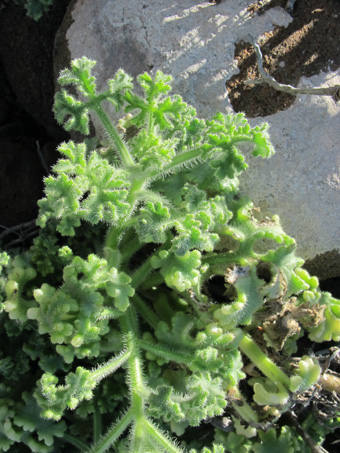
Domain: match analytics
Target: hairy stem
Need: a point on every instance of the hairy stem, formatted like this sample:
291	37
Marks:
136	382
148	315
165	443
113	433
142	273
115	137
180	159
162	350
110	366
243	408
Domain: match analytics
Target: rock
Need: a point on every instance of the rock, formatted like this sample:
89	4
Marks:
195	44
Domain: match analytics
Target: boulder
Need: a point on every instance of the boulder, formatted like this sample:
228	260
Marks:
194	41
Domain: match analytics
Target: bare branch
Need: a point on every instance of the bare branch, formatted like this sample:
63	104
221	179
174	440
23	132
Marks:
333	91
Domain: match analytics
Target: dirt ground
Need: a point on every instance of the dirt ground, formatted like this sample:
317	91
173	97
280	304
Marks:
310	44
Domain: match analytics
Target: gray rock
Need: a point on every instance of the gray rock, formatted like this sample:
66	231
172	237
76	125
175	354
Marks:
194	42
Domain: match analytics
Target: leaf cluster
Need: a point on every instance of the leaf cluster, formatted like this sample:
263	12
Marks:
35	8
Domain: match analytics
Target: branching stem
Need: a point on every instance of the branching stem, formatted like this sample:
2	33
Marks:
161	439
110	366
113	433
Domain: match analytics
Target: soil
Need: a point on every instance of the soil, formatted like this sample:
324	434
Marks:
29	134
310	44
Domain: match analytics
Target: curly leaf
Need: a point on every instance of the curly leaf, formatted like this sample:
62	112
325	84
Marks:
161	111
117	86
329	328
76	314
308	374
153	222
70	112
204	398
27	418
17	303
180	272
55	399
80	76
151	150
179	333
267	393
192	233
85	188
36	8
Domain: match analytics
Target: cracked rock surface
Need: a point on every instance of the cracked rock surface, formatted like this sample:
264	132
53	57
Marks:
197	43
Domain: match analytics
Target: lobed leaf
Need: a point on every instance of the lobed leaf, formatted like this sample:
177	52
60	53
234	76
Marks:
179	272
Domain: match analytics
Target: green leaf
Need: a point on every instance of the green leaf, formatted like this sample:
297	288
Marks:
27	417
154	107
55	399
71	113
117	86
36	8
204	397
153	222
85	188
179	272
80	76
75	315
151	150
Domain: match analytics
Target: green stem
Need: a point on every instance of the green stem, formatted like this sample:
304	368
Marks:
97	424
130	245
109	367
148	315
243	408
113	433
161	440
166	353
153	280
115	137
138	389
218	259
141	274
178	160
114	235
76	442
263	362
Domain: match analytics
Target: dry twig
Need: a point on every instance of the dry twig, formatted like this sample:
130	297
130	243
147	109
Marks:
333	91
23	231
315	448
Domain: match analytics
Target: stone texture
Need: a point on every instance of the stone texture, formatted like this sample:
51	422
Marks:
195	44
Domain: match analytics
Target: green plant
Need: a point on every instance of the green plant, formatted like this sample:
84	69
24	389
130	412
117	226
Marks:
153	289
35	8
